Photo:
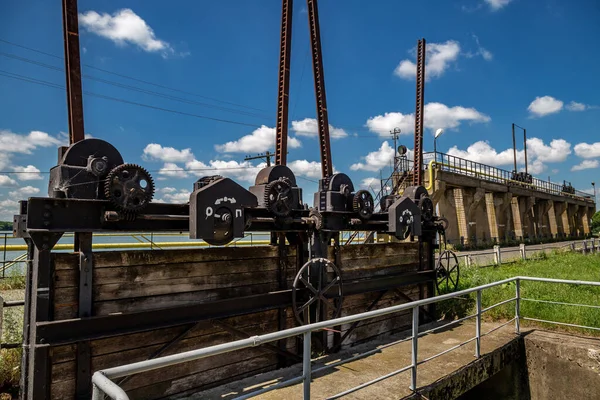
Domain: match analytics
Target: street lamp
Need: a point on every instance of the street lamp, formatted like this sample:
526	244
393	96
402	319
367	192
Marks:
438	133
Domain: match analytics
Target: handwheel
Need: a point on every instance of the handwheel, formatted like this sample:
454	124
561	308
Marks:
318	284
447	272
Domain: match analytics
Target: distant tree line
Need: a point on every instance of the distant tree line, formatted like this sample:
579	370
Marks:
6	226
596	223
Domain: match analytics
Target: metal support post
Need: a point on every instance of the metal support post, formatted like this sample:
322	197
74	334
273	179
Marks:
518	306
73	71
84	354
497	255
478	326
306	371
415	341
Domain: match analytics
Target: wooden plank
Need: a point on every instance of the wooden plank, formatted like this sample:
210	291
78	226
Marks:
162	336
375	271
380	326
66	300
151	272
372	251
147	257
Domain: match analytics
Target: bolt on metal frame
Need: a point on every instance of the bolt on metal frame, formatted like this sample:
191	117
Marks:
103	383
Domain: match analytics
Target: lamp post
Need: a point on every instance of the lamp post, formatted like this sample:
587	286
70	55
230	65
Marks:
438	133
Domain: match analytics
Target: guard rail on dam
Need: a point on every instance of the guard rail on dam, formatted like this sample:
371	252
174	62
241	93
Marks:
487	204
104	380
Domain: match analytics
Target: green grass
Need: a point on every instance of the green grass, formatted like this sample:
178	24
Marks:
11	288
570	266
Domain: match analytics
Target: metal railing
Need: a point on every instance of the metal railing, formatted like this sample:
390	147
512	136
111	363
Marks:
450	163
103	383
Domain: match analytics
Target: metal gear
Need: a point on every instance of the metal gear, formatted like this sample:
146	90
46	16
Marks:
129	187
317	292
317	219
426	207
278	197
363	204
447	272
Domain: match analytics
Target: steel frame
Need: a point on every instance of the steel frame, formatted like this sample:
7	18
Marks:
103	380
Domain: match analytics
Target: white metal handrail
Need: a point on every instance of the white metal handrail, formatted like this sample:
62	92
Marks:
103	383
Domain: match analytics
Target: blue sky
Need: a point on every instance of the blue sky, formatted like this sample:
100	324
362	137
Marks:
490	63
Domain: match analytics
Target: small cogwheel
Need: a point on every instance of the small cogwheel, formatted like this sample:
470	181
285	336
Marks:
363	204
129	187
317	219
278	197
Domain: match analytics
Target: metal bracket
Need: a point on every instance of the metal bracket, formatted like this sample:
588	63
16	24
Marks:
84	355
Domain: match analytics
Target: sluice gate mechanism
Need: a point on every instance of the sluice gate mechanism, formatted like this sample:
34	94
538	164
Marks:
92	189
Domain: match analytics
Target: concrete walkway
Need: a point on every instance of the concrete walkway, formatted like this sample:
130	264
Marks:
346	376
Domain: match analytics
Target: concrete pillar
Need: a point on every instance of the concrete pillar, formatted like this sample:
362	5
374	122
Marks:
490	208
529	219
574	222
585	219
552	219
564	216
516	214
461	217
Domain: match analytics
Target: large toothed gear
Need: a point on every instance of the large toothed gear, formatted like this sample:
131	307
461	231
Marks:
129	187
278	197
363	204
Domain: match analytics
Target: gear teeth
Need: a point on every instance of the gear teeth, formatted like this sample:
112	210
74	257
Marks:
365	212
271	206
128	211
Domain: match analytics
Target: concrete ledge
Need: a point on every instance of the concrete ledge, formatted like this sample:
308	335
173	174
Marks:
464	379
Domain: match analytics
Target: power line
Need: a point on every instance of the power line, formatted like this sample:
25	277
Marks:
180	99
56	86
130	77
135	88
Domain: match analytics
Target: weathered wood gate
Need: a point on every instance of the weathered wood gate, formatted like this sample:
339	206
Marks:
143	304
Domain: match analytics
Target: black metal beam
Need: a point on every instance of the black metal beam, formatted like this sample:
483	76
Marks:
73	70
83	377
74	330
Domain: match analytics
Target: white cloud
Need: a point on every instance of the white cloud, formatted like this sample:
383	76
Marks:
575	106
261	140
439	56
557	151
181	196
369	183
586	164
538	154
155	151
436	115
495	5
481	51
173	170
376	160
8	208
310	169
15	143
6	181
28	173
545	105
585	150
124	26
309	127
23	192
243	171
482	152
167	190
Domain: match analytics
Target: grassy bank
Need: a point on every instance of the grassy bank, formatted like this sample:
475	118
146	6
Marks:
571	266
11	288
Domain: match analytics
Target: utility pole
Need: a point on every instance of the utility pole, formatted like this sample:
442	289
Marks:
266	156
395	134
